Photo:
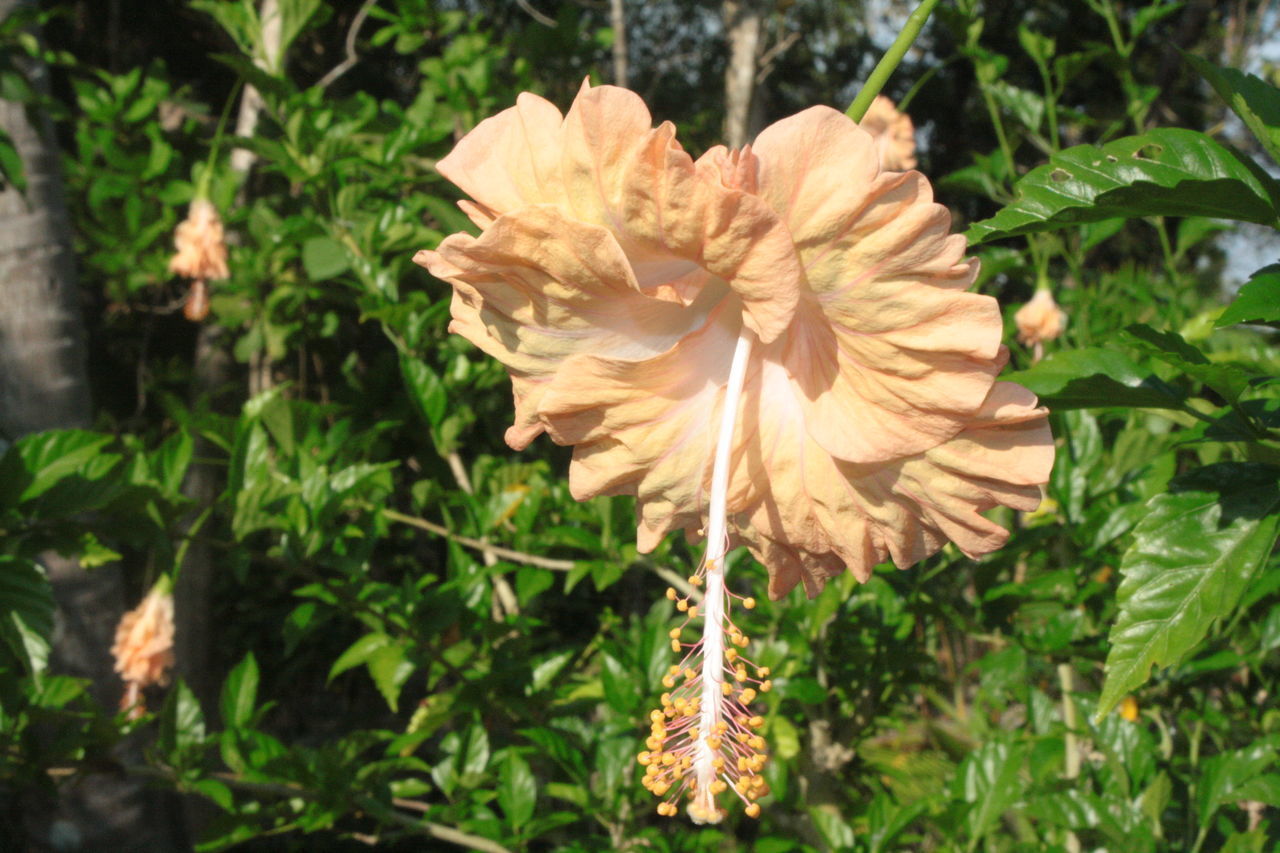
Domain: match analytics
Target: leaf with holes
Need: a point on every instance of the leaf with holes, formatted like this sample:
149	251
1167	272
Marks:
1166	172
1191	559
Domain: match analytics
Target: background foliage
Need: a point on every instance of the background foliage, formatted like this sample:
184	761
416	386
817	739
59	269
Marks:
379	675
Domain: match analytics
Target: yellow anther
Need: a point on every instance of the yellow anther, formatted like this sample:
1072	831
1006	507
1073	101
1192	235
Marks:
749	603
756	742
668	759
652	770
666	699
693	733
643	758
690	675
674	633
675	645
731	655
713	743
742	784
752	810
661	789
674	669
695	580
721	727
653	743
747	696
718	786
742	764
742	737
726	688
742	640
669	711
761	790
766	686
740	674
655	716
693	612
668	681
756	722
671	593
764	671
681	703
682	605
717	764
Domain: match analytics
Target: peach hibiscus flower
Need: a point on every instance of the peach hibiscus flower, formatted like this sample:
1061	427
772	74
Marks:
1038	321
894	133
201	255
143	646
772	347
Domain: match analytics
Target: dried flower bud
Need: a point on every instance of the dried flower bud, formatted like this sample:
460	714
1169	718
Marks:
1038	321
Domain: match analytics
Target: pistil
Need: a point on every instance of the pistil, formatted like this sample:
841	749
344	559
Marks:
723	750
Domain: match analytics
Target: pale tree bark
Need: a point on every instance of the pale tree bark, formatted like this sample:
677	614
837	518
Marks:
744	31
44	385
618	21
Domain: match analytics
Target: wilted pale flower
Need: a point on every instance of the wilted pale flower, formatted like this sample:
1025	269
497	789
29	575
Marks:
143	647
201	255
772	347
1038	321
894	133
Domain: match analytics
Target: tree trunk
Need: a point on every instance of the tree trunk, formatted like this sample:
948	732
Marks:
618	21
743	26
44	385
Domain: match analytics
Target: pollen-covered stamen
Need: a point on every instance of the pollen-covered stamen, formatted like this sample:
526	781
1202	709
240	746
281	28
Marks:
704	741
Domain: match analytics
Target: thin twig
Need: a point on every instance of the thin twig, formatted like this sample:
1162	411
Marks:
352	57
475	544
769	59
536	15
506	596
290	790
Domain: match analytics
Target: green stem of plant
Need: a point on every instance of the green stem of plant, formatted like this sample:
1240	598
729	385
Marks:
890	61
994	112
206	172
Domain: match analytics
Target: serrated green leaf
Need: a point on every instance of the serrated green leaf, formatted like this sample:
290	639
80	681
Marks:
1224	778
517	790
1191	559
1255	101
181	721
389	670
1165	172
1169	347
1258	300
240	693
1096	378
988	781
324	258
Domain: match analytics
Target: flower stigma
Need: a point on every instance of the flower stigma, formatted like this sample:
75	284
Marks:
704	740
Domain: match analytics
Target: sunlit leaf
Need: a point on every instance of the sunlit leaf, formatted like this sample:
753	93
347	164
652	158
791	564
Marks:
1166	172
1191	559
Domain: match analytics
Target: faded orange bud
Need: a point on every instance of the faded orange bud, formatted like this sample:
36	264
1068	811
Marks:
196	308
202	250
144	645
1038	321
894	133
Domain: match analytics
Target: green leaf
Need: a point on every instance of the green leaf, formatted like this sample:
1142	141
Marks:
38	462
31	647
1166	172
988	781
11	169
1169	347
517	790
1255	101
389	670
181	721
1096	378
1225	778
359	652
1258	300
1191	559
26	591
240	693
324	258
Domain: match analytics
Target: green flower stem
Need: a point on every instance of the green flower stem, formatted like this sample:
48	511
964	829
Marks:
892	57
